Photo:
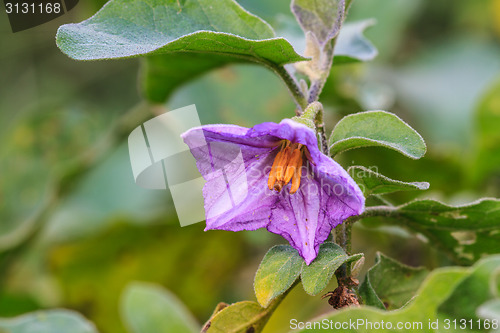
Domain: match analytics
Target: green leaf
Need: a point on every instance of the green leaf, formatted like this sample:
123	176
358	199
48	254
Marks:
393	283
277	272
241	317
185	38
473	291
480	215
318	274
51	321
352	45
376	128
321	17
465	233
150	308
371	182
369	296
436	287
282	265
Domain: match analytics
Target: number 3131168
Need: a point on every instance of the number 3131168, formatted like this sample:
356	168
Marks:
32	8
463	324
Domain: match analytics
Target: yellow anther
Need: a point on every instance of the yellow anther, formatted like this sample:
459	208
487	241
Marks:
287	167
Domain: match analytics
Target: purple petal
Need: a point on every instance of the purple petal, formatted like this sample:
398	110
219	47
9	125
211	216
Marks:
340	188
301	218
236	169
291	130
326	197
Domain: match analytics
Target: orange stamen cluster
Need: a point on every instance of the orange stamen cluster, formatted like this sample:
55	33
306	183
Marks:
287	166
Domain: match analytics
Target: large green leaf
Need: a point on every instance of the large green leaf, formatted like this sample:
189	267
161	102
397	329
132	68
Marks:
480	215
321	17
318	274
376	128
393	283
372	182
52	321
192	37
465	232
279	269
241	317
150	308
130	28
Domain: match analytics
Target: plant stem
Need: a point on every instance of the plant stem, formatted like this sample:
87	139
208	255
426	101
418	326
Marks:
322	134
387	211
343	239
318	84
292	85
314	112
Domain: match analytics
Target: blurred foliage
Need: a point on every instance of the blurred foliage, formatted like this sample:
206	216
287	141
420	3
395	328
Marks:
148	308
157	253
52	321
438	70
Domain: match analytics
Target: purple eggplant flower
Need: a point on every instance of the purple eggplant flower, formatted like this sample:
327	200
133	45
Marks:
273	176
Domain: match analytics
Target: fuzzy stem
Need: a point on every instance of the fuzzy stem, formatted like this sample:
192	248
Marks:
314	112
343	239
292	85
387	211
318	84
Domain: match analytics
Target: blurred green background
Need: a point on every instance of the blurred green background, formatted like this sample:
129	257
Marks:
75	230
